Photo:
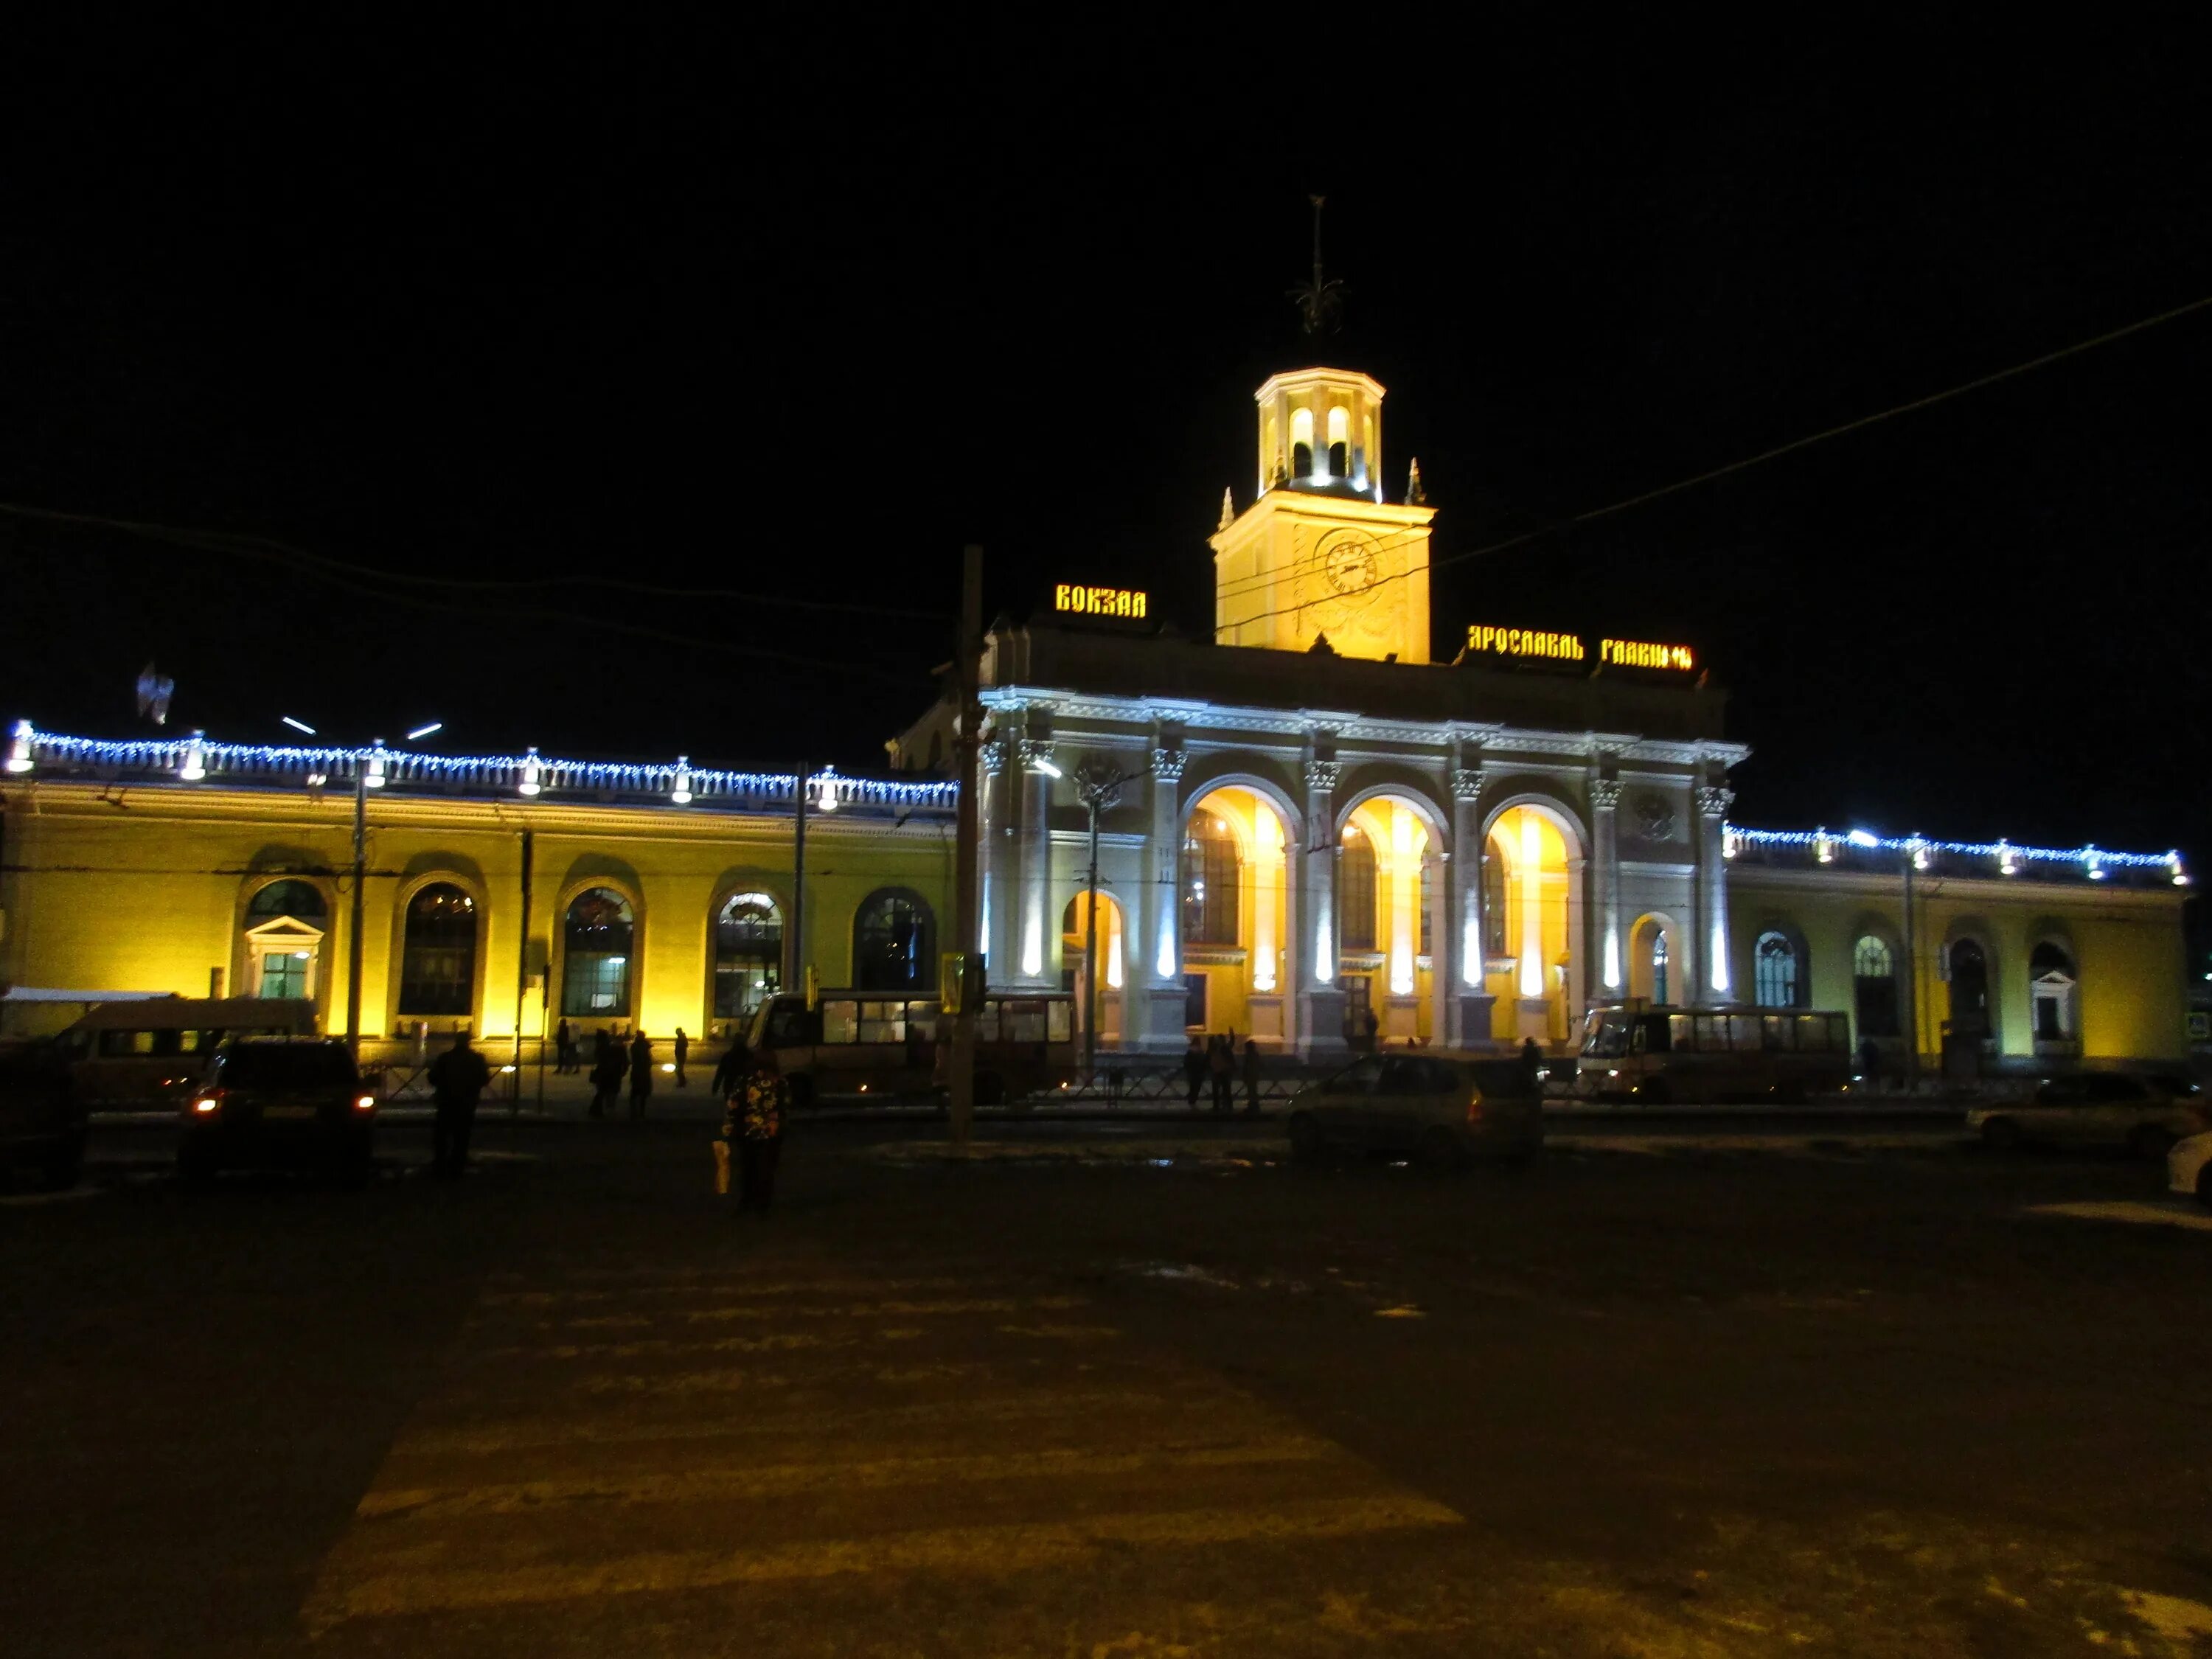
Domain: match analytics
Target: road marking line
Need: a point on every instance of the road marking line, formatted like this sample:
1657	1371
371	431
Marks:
789	1480
2157	1215
519	1435
994	1550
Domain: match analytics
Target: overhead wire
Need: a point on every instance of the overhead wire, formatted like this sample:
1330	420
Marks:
1764	455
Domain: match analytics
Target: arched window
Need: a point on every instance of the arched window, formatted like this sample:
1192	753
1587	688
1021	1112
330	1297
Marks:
748	953
598	936
1494	933
1340	443
894	943
1970	989
1209	881
1873	987
438	952
1774	971
284	925
2055	992
1355	891
1301	443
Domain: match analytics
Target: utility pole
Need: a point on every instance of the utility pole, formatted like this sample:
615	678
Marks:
354	925
522	987
967	850
795	974
1100	785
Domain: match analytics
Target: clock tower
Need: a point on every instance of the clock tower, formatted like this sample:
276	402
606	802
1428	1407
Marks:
1319	550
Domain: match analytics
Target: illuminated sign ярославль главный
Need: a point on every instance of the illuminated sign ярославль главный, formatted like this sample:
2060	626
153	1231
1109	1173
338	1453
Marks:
1484	640
1080	600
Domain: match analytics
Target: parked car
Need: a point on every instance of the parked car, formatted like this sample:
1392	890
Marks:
1441	1106
2145	1115
2189	1168
274	1102
42	1122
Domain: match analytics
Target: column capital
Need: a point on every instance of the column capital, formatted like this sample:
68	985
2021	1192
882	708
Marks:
992	752
1467	784
1321	775
1168	764
1714	801
1033	750
1604	794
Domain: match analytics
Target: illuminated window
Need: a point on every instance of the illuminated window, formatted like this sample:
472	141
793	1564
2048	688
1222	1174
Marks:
1355	891
1659	966
894	942
1210	871
599	937
1774	971
1873	987
1301	443
438	955
2055	994
1339	444
748	954
284	924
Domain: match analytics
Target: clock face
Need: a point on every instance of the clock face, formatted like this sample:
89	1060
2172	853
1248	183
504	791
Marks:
1352	567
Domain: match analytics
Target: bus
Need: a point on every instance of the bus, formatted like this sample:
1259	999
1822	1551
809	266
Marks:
864	1042
143	1053
1659	1056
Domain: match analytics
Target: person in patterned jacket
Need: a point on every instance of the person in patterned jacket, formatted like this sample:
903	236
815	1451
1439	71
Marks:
753	1124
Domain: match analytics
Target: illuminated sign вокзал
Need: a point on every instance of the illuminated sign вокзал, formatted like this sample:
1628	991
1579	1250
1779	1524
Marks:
1572	647
1082	601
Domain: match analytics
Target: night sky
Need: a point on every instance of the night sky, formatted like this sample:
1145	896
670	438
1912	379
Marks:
796	314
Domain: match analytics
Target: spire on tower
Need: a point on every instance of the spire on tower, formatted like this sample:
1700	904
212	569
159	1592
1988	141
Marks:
1415	495
1320	302
1228	510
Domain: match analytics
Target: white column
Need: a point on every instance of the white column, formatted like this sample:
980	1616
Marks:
1713	803
1155	978
1321	1003
1035	953
1612	965
1000	869
1470	1019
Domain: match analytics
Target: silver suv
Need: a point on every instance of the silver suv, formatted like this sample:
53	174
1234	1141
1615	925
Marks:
1440	1105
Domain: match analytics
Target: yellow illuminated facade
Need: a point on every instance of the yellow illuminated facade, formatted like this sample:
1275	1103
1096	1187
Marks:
644	915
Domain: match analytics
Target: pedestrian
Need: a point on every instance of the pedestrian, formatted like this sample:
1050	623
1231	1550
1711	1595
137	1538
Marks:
564	1048
606	1073
1251	1077
682	1049
731	1072
754	1122
457	1076
1532	1066
641	1076
1369	1025
1194	1071
1220	1070
1869	1062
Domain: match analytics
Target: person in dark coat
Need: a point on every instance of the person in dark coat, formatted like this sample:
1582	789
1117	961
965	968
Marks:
1370	1024
1193	1070
1532	1064
682	1049
1221	1074
754	1125
732	1069
564	1049
641	1076
1251	1077
457	1077
606	1072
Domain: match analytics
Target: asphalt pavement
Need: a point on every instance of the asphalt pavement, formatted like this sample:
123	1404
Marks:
1716	1388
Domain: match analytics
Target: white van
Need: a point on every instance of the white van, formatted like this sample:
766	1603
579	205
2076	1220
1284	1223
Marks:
144	1054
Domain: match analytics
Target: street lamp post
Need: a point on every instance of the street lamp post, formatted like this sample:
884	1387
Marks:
368	774
1099	783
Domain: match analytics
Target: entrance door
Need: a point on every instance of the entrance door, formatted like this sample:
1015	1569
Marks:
1970	990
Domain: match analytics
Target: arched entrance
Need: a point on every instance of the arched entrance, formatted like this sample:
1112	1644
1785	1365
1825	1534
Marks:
1532	878
1233	905
1074	934
1387	891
